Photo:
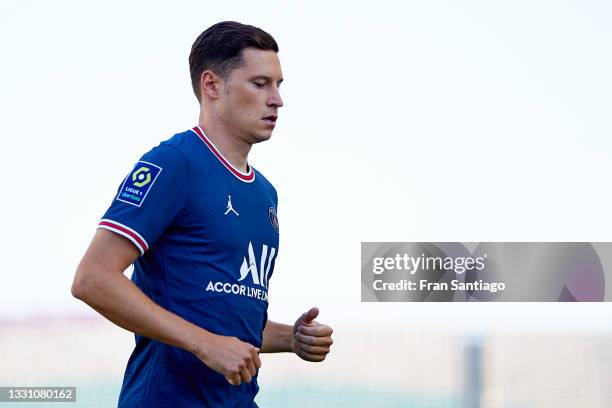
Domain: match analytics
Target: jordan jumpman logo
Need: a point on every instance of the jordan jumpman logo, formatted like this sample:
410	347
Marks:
230	207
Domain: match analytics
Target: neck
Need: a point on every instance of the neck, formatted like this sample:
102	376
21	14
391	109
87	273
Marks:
233	148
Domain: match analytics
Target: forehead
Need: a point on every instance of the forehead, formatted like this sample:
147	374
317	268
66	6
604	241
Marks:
259	63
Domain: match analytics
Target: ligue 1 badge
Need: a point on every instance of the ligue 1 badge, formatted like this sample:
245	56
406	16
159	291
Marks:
136	185
273	218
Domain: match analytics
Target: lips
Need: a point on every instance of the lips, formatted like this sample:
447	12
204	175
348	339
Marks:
271	118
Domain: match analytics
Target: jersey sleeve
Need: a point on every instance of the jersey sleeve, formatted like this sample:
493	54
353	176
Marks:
150	198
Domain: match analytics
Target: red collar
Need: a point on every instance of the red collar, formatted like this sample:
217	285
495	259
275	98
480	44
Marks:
247	177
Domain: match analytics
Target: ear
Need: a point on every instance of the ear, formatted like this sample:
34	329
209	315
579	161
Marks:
210	85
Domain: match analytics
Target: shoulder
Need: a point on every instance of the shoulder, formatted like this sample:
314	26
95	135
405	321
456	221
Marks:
172	153
267	185
182	143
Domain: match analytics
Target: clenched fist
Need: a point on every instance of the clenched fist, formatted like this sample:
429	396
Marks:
311	340
236	360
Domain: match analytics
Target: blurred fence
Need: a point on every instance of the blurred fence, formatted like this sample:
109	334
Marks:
366	368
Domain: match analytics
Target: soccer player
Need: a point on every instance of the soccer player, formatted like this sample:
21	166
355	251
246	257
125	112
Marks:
200	226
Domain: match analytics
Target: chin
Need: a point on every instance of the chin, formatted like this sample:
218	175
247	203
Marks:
261	137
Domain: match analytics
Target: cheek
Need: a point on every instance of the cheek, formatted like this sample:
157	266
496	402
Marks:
244	105
248	107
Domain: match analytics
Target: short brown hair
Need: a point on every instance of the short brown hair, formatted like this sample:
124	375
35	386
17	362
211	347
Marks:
219	48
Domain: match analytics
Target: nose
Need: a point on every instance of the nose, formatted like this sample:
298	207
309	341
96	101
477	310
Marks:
275	100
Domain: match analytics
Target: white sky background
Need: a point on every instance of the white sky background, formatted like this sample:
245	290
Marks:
424	121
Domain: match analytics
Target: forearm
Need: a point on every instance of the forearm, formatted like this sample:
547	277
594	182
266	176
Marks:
277	338
115	297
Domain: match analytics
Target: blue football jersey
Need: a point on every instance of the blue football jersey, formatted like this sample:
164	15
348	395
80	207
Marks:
208	238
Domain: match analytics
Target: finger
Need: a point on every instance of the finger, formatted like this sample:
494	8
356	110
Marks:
311	357
251	367
313	340
314	349
310	315
256	360
245	375
320	330
233	379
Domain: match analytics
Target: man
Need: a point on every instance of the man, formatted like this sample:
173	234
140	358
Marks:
199	224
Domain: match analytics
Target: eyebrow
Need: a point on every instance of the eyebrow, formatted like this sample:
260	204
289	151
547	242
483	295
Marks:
267	78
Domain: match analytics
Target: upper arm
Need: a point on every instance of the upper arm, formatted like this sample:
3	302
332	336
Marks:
147	202
150	197
111	251
107	253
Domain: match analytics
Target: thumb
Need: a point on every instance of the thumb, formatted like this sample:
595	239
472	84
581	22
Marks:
310	315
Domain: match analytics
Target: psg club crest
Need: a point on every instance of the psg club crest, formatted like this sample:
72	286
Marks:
273	218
